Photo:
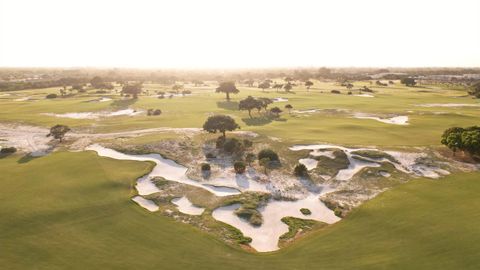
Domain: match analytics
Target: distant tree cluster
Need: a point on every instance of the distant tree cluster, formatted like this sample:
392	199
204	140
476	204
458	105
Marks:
408	81
463	139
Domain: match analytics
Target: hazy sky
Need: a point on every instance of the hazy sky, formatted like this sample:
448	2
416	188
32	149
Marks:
239	33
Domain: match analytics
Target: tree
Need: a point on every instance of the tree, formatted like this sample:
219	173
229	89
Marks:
308	84
465	139
289	108
276	111
177	88
250	82
349	86
265	102
475	90
227	88
277	86
220	123
97	82
264	85
408	81
249	104
471	140
132	89
58	132
288	87
288	79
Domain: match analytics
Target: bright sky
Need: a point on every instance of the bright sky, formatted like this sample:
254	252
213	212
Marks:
239	33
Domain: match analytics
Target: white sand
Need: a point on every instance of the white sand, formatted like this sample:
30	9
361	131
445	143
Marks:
364	95
165	168
279	99
396	120
95	115
265	237
185	206
147	204
310	163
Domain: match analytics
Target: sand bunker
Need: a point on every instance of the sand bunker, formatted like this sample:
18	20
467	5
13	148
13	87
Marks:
96	115
147	204
396	120
364	95
185	206
165	168
406	162
265	237
279	99
29	139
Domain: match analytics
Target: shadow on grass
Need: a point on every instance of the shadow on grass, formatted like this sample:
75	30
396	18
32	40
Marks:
257	121
26	159
262	120
123	103
228	105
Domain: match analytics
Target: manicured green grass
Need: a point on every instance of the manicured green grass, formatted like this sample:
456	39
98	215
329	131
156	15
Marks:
426	124
73	211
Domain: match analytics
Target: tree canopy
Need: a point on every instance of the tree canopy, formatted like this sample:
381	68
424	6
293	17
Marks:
58	132
408	81
308	84
227	88
132	89
464	139
264	85
249	104
220	123
475	90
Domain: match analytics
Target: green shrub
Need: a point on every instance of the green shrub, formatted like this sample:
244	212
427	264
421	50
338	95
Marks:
268	154
8	150
305	211
205	167
239	167
232	145
300	170
51	96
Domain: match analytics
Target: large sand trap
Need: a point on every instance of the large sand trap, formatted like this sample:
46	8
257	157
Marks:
95	115
147	204
165	168
265	237
407	162
279	99
185	206
29	139
396	120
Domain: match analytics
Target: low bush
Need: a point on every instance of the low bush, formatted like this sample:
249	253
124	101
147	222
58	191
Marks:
300	170
239	167
306	211
205	167
8	150
335	92
269	154
50	96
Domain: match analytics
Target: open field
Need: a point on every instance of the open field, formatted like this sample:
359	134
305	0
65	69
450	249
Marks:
88	221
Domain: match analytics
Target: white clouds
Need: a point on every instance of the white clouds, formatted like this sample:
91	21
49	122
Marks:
209	33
